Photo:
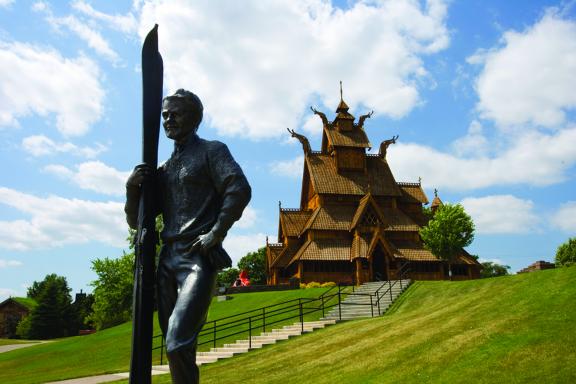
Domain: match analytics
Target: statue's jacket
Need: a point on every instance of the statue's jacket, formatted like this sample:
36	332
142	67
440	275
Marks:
200	188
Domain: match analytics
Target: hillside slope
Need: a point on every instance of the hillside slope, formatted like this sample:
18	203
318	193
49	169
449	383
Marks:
108	351
514	329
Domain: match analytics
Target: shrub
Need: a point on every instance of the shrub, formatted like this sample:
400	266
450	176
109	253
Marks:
328	284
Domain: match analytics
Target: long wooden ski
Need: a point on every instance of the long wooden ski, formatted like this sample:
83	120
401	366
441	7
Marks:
143	300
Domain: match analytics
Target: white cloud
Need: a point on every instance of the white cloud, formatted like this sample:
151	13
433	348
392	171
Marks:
40	145
10	263
123	23
501	214
6	3
535	159
38	80
565	217
291	168
40	6
259	65
238	246
530	78
56	221
92	37
248	219
94	176
473	144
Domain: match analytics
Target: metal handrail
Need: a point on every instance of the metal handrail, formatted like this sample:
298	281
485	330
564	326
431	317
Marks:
263	317
267	316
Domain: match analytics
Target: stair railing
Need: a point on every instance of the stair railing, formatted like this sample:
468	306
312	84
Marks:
249	322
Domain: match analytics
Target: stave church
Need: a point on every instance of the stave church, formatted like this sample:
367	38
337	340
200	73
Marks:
355	222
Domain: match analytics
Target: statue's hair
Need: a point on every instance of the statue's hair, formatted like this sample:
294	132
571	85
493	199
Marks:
191	101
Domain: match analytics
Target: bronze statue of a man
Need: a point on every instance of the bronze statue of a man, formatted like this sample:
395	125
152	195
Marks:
201	192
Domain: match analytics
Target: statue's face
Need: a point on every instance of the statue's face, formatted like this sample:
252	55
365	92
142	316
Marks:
178	120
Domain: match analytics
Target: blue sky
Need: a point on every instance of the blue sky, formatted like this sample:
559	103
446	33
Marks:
481	94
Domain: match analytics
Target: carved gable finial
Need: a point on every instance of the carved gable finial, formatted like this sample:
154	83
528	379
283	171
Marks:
321	114
435	192
302	139
364	117
385	144
341	97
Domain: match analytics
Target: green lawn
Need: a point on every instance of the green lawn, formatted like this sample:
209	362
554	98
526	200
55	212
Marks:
516	329
108	351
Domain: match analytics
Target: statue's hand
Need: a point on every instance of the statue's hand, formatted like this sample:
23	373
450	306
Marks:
206	241
141	173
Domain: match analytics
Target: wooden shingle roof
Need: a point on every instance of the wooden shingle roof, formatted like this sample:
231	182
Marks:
360	245
330	217
275	251
413	193
355	138
326	180
414	251
366	203
293	221
396	220
324	250
285	257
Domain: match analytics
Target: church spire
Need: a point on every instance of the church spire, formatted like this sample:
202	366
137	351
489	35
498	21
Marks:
342	107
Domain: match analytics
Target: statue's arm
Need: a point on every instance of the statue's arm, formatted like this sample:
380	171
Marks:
232	186
133	184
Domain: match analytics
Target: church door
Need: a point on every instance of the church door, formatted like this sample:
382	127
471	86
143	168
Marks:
379	267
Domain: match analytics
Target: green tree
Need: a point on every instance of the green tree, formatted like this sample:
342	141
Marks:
38	286
566	253
450	230
255	264
490	269
52	316
227	277
112	291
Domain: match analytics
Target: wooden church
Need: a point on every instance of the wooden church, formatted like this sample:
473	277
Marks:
355	223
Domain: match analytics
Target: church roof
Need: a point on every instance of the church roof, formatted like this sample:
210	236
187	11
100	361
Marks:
366	202
354	138
330	217
275	251
324	250
360	245
326	179
413	193
396	220
414	251
285	256
293	221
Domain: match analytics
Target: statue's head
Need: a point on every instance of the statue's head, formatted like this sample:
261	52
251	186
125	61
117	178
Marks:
182	113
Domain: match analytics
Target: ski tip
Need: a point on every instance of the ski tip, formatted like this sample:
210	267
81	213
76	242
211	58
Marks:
151	40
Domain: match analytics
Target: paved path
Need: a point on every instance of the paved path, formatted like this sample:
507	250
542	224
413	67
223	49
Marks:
157	370
11	347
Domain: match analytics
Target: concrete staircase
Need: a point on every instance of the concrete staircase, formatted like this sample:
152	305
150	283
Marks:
357	304
265	338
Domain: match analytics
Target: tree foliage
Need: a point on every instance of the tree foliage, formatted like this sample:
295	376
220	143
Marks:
450	230
566	253
112	291
490	269
227	277
255	264
53	316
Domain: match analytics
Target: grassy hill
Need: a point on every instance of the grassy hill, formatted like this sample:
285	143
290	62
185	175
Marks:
515	329
108	351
